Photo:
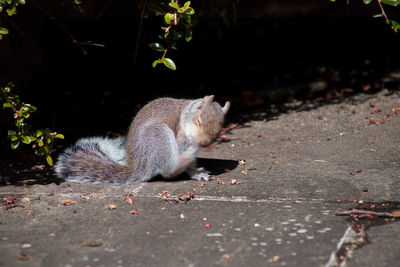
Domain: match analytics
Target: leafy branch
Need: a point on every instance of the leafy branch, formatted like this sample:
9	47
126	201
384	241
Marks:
392	23
178	26
42	140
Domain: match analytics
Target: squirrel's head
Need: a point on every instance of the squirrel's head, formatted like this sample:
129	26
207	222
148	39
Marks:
208	120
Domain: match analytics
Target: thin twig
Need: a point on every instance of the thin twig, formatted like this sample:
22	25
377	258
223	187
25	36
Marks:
367	212
166	50
382	10
139	32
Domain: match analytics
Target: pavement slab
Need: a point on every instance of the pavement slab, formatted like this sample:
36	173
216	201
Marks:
272	202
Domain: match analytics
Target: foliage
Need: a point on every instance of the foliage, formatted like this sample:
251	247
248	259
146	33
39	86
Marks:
42	140
177	26
392	23
10	6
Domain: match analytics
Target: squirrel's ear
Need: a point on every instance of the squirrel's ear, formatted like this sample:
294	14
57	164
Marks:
226	107
208	98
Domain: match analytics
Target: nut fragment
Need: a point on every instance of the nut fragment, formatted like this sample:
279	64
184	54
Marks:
67	202
128	200
23	257
224	138
242	162
112	207
134	212
220	182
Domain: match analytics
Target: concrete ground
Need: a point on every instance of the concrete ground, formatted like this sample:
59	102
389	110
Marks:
274	208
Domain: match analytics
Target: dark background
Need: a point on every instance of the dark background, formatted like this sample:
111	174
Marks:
259	56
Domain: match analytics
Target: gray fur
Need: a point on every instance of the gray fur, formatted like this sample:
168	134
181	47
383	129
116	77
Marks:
163	139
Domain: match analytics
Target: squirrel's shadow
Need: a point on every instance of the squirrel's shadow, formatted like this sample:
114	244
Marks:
214	166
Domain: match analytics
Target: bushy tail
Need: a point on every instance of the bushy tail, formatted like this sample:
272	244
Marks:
94	160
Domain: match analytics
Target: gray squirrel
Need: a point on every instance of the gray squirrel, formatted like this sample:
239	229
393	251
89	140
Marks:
163	139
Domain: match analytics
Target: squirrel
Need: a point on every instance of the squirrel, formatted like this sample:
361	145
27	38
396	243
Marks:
163	139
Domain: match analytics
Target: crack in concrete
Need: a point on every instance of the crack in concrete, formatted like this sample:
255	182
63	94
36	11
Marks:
350	241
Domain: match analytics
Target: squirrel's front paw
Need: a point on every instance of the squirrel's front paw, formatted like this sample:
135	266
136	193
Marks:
201	175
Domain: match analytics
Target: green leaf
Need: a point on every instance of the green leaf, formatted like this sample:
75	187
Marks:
188	19
49	160
391	2
7	105
394	24
39	133
11	11
189	11
41	142
367	2
181	10
178	35
168	18
157	47
3	30
155	62
187	4
11	133
59	136
188	35
173	4
22	2
169	63
14	145
26	139
32	108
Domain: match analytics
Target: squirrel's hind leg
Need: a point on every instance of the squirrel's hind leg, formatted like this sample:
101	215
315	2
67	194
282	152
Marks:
198	174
